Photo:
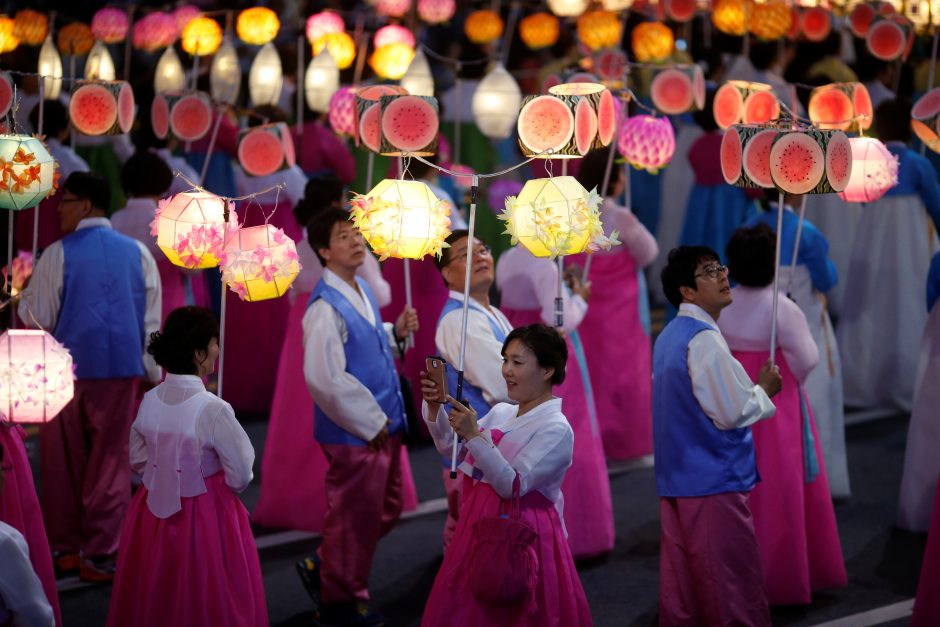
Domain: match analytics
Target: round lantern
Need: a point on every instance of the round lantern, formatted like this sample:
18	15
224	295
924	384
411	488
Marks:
343	111
925	119
811	161
8	41
728	16
392	8
102	107
154	31
368	121
569	8
888	39
265	77
678	89
407	124
342	48
402	219
265	149
36	376
436	11
391	61
257	25
324	23
745	155
815	23
599	29
321	81
50	67
75	39
202	36
393	34
539	30
555	216
495	103
874	171
191	228
27	172
646	142
743	101
843	106
225	74
184	15
260	263
185	114
652	41
99	63
483	26
770	20
169	75
609	65
30	27
616	5
860	18
680	10
418	80
109	25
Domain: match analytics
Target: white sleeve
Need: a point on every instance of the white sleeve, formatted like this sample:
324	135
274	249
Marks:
42	298
722	386
339	394
440	429
635	237
153	313
138	450
545	280
796	340
20	590
231	444
371	271
483	359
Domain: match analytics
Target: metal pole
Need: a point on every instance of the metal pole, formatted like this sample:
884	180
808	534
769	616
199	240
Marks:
370	167
10	263
458	105
222	311
127	43
300	93
559	296
796	244
39	129
215	133
773	319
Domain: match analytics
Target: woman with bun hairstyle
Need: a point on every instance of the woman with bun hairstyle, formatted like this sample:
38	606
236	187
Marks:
187	556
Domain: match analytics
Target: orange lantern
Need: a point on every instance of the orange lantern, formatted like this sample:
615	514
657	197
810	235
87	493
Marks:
202	36
30	27
75	39
599	29
341	46
483	26
257	25
8	41
728	16
391	61
539	30
770	20
652	41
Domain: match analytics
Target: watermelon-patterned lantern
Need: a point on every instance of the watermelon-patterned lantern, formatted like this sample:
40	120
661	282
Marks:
436	11
874	171
647	142
418	80
321	81
539	30
556	216
257	25
925	119
186	115
860	18
495	103
811	161
770	20
567	123
402	219
815	23
599	29
324	23
102	107
368	125
225	74
745	155
8	41
184	15
191	228
169	74
393	34
36	376
392	8
569	8
652	41
30	27
265	78
265	149
202	36
728	16
109	25
678	89
260	263
50	67
391	61
483	26
843	106
75	39
99	63
889	38
343	111
154	31
409	124
743	101
341	45
609	65
27	172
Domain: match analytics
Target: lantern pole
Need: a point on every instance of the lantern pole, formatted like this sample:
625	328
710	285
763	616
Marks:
72	82
225	217
370	168
300	93
215	133
773	319
796	244
196	68
474	188
559	297
39	129
410	343
10	261
457	117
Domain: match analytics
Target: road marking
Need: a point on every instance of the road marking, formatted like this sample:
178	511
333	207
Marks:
876	616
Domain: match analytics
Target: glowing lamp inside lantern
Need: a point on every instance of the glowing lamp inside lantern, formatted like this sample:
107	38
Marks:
257	25
260	263
225	74
392	61
28	172
321	81
324	23
99	63
874	171
496	103
202	36
265	78
190	228
50	67
36	377
568	8
418	80
341	45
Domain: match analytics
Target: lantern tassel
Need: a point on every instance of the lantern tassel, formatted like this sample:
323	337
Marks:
773	319
796	244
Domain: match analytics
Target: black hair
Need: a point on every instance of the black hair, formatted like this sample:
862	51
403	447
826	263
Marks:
679	270
454	236
419	169
273	113
762	54
321	192
751	252
320	228
592	169
705	117
90	186
146	174
55	118
551	350
185	331
892	121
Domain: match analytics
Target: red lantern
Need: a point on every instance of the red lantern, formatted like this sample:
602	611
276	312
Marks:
264	150
742	101
925	119
343	111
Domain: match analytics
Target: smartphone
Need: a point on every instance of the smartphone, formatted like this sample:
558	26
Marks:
436	371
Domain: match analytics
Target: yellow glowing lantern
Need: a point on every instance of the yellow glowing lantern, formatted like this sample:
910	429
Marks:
202	36
342	48
99	63
257	25
324	23
50	67
616	5
8	41
599	29
391	61
30	27
402	219
260	263
728	16
568	8
770	20
483	26
539	30
191	228
36	376
28	172
652	41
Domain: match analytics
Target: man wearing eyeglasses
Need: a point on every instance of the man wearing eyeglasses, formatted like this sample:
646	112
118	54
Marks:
703	406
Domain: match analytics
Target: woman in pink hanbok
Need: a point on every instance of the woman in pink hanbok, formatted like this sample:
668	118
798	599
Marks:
187	556
793	514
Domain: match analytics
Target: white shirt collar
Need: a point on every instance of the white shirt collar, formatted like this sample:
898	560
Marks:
694	311
187	381
88	223
354	296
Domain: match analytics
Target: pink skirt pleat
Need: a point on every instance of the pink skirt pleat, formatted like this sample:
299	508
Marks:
927	602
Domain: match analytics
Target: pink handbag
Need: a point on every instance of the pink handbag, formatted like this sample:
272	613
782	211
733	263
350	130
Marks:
503	564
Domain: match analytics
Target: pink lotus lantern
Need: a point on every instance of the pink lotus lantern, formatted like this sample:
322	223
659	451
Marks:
22	270
191	228
436	11
393	34
874	171
109	25
260	262
647	143
154	31
392	8
36	376
343	111
324	23
184	15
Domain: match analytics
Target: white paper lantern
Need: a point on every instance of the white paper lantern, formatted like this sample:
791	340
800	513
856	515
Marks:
169	75
191	230
50	64
36	377
418	80
265	78
321	81
99	63
225	74
568	8
496	103
27	172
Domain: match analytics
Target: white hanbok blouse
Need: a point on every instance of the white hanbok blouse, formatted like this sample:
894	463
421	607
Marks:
21	596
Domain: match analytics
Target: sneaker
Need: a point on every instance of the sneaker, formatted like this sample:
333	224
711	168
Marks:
97	569
356	614
66	562
308	569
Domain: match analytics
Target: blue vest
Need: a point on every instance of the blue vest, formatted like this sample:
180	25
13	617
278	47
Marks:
368	358
693	456
104	299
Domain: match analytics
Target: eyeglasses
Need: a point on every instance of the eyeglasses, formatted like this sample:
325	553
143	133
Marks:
712	272
483	250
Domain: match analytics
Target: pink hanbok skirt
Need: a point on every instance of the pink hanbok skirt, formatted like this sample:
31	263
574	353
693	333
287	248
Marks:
927	602
559	596
293	467
19	508
198	567
794	521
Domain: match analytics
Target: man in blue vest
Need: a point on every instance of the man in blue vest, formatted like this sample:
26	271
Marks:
99	293
703	406
358	420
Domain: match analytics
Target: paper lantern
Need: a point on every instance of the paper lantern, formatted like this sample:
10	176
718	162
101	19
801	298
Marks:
343	111
728	16
169	75
225	74
556	216
265	78
609	65
368	123
392	8
265	149
483	26
923	13
187	115
202	36
184	15
811	161
539	30
109	25
257	25
743	101
678	89
418	79
860	18
652	41
99	63
154	31
770	20
190	228
565	123
50	67
815	23
874	171
843	106
321	81
889	39
36	376
745	155
616	5
925	119
75	39
260	263
393	34
8	41
30	27
599	29
496	103
324	23
391	61
569	8
436	11
680	10
27	172
646	142
102	107
342	48
22	270
409	124
402	219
